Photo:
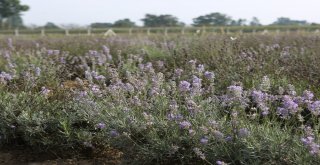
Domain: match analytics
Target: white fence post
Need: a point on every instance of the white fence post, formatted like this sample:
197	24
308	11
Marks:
148	31
43	32
89	32
204	29
166	31
182	31
16	32
222	30
130	31
67	32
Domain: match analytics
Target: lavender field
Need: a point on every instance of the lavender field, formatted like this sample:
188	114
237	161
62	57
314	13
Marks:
179	99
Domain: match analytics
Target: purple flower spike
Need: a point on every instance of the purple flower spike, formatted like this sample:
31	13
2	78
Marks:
243	132
209	75
184	86
114	133
101	125
204	140
185	125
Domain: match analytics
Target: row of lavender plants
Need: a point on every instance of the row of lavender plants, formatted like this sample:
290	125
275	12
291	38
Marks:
151	111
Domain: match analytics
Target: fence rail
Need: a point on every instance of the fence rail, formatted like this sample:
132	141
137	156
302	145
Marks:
163	30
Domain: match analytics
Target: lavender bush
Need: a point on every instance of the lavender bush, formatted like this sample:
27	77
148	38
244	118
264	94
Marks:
161	104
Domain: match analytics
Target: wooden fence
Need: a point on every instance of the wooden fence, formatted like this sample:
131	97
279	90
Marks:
164	30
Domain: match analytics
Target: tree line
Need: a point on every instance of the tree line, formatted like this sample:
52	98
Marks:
212	19
166	20
10	17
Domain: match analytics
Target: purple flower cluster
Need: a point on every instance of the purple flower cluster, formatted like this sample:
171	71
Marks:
81	95
45	91
185	125
219	162
314	108
101	125
173	106
307	95
235	90
192	106
184	86
235	97
288	107
5	77
105	49
93	53
288	103
88	76
178	72
196	82
114	133
100	77
174	117
218	135
260	98
37	71
313	147
129	87
204	140
95	89
148	67
243	132
209	75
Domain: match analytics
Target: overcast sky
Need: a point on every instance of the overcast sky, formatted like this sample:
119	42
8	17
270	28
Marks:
84	12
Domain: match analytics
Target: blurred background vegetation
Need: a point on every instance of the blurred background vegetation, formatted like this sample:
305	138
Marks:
11	11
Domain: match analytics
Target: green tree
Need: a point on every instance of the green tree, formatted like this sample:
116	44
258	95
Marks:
101	25
166	20
50	25
14	21
255	22
124	23
288	21
212	19
239	22
11	9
